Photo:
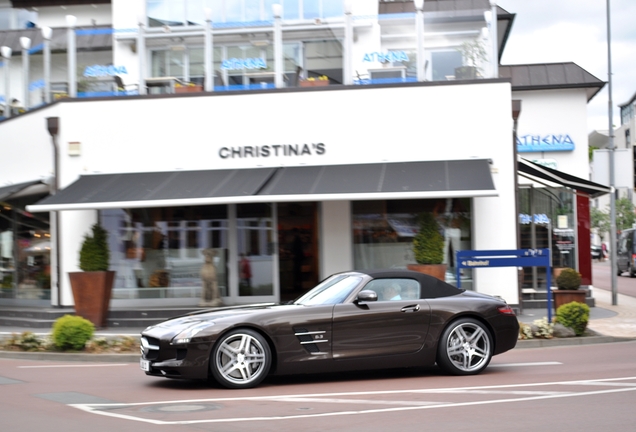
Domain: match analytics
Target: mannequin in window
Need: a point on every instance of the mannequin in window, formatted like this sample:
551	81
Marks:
210	288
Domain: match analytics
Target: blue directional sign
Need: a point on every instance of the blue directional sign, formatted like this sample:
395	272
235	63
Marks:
507	258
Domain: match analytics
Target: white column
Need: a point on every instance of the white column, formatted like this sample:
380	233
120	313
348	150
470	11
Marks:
46	35
71	55
6	55
419	25
209	52
348	45
141	54
494	39
277	9
25	43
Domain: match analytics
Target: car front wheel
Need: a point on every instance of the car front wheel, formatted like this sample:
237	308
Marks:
240	359
465	347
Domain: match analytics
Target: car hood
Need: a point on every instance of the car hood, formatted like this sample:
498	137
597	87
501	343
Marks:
214	315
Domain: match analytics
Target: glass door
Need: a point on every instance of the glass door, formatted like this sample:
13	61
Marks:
255	261
297	248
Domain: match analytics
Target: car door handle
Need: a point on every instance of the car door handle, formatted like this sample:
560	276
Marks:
411	308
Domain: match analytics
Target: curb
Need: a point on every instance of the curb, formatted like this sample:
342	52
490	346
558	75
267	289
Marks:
134	358
73	357
554	342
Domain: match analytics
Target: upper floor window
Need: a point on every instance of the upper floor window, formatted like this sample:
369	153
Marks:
13	19
191	12
627	113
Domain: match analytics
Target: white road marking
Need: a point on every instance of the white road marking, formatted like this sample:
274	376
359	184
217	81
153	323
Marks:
524	364
73	366
107	409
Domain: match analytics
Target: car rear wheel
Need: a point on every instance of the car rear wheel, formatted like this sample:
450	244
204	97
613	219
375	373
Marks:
465	347
240	359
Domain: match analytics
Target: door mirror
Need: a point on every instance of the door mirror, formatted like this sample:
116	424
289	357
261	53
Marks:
367	296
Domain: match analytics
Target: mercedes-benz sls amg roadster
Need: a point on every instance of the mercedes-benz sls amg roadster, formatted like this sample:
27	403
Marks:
358	320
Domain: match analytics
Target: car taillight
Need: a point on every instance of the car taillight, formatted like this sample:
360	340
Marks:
506	310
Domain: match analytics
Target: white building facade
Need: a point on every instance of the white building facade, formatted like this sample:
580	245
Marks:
249	162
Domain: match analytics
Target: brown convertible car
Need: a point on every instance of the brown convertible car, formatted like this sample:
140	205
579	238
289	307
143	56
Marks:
359	320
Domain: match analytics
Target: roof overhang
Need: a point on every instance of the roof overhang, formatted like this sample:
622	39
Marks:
539	173
19	190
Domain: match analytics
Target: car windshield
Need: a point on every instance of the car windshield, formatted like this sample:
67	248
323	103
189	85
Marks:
333	290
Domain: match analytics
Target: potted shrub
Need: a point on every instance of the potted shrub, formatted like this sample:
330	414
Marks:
92	286
473	53
568	283
428	248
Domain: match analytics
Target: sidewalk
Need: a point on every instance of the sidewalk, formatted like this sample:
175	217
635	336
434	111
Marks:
607	320
623	324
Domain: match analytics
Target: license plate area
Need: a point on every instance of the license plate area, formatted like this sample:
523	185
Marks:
144	365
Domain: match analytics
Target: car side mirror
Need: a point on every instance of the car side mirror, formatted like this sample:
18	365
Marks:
367	296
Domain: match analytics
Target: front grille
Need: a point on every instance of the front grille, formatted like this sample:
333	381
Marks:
149	347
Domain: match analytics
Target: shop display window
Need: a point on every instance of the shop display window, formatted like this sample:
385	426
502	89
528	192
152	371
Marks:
547	220
158	252
25	255
383	231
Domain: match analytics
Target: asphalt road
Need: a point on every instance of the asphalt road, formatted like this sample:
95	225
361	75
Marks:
601	278
591	387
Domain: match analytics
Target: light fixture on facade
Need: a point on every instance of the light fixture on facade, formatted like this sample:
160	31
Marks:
277	10
348	7
419	4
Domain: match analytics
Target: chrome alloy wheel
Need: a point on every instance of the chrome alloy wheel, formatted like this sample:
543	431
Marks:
241	359
465	348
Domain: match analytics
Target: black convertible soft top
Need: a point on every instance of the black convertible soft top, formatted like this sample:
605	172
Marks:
431	286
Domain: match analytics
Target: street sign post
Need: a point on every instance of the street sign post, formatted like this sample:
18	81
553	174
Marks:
507	258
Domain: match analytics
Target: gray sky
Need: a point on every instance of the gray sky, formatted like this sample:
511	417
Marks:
546	31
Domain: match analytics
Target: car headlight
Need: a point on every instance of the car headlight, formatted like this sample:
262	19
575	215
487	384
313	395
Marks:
186	335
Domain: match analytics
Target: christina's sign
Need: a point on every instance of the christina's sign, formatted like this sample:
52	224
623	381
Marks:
544	143
274	150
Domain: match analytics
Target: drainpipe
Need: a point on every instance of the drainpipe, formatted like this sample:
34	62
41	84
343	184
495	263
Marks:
53	126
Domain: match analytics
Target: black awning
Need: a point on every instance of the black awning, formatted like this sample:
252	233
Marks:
35	187
534	171
431	179
469	176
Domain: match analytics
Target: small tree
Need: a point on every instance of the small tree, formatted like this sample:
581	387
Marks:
428	244
625	215
599	220
95	255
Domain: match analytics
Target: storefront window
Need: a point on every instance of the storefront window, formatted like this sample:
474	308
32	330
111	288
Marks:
158	252
547	221
255	232
383	231
25	255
